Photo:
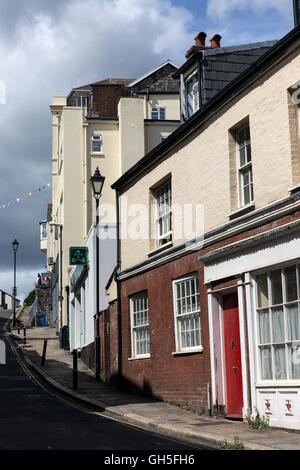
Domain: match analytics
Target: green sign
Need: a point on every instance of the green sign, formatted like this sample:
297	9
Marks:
78	256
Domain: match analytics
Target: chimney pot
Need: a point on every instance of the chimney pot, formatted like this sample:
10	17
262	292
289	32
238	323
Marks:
215	41
200	39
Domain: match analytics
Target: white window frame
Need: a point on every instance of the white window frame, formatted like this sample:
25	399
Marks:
96	138
195	104
142	298
244	168
43	230
179	317
163	211
161	113
272	344
80	101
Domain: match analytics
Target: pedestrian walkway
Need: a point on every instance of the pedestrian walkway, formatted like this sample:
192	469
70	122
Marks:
144	412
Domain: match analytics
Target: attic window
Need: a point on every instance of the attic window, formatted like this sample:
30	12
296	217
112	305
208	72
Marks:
192	94
82	101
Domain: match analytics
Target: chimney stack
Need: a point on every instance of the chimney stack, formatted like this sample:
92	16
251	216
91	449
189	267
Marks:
215	41
200	44
200	39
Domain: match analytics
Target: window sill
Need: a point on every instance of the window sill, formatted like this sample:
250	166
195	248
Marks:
241	211
139	358
292	383
161	248
97	154
185	353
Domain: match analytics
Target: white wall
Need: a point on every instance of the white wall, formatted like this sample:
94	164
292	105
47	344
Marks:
82	315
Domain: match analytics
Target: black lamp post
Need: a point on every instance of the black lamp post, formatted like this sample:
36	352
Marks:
97	182
15	245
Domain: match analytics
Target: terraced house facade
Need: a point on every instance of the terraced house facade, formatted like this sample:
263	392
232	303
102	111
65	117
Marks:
108	124
210	309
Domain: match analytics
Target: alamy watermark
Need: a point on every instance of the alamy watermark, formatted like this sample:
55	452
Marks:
183	223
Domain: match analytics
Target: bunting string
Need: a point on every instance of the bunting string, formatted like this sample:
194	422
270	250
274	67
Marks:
25	196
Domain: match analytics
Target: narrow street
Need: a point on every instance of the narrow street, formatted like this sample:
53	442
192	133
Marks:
32	419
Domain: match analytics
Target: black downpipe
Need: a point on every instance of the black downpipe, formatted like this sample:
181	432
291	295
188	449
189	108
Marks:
119	293
297	12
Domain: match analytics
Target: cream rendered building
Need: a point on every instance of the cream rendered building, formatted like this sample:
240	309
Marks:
109	124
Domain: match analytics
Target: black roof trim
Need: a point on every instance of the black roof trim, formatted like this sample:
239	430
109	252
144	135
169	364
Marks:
165	121
196	119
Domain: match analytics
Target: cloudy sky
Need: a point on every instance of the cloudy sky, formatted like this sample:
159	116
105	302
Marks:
49	47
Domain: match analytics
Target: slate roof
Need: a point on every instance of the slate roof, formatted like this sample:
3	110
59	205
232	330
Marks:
220	66
223	65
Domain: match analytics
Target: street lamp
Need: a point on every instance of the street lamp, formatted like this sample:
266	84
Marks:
15	245
97	182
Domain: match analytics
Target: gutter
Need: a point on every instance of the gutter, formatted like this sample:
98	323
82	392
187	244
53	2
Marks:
251	242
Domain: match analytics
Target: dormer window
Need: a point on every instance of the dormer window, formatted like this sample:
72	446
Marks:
192	94
82	101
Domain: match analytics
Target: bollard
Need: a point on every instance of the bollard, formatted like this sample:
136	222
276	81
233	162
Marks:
24	339
18	327
44	353
75	370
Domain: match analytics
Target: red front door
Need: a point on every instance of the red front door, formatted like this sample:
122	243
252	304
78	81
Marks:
234	401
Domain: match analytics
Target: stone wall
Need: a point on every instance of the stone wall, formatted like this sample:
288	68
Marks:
43	295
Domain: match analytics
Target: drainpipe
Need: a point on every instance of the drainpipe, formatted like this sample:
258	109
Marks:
85	177
209	409
117	268
296	12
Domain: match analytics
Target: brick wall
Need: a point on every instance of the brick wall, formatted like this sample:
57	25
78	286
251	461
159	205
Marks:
106	98
108	346
177	378
181	379
109	343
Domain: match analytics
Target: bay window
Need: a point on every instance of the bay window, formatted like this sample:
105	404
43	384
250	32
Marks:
278	310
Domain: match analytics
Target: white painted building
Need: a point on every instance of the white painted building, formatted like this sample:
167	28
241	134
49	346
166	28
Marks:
82	296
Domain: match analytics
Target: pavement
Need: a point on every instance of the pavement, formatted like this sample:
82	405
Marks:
145	413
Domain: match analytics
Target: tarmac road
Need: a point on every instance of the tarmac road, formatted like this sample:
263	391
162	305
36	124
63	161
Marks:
33	419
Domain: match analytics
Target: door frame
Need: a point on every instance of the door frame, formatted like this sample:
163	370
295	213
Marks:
216	333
